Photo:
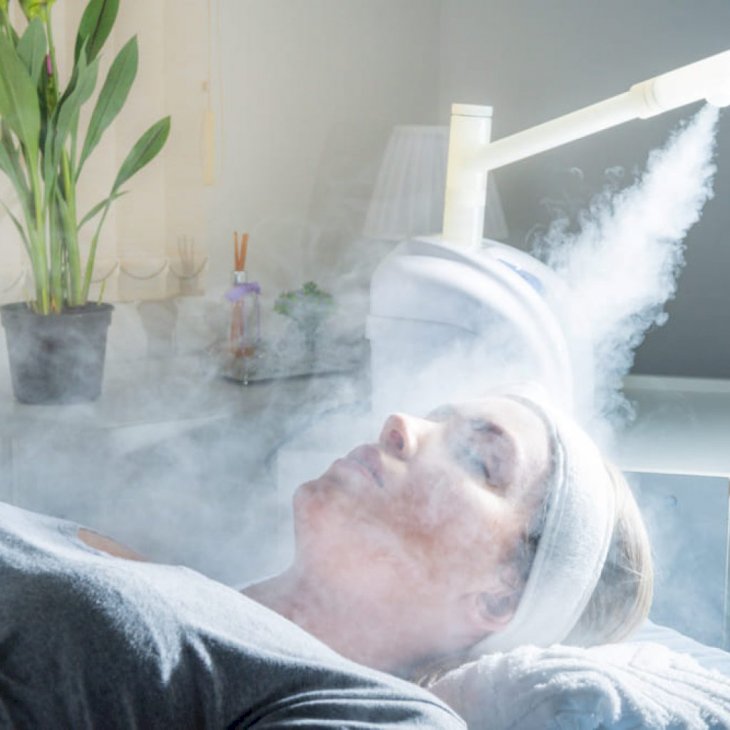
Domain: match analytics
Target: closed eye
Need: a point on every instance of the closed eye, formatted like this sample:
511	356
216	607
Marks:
498	450
475	464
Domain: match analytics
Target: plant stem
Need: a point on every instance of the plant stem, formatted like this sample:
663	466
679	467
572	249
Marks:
55	238
64	230
38	240
75	293
92	251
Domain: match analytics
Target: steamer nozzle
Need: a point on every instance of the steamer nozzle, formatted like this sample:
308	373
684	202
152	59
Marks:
708	79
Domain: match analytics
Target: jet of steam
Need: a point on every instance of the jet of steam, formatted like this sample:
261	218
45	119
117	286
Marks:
621	265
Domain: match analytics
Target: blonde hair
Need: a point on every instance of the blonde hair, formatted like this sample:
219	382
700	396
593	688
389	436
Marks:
622	598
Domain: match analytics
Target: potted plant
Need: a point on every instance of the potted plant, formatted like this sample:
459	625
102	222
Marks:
309	307
57	340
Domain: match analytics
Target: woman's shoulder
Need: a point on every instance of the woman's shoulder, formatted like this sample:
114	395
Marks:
104	544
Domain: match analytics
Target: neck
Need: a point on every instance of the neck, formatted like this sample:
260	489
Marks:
359	629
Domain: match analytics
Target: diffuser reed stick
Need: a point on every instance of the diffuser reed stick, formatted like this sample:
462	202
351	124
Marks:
245	324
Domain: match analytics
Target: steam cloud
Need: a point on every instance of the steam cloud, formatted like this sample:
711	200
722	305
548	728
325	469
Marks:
210	478
621	265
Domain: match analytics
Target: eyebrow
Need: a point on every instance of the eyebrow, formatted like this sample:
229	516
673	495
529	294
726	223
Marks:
477	424
481	425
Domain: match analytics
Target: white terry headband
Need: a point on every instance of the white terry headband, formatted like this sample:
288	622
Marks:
572	549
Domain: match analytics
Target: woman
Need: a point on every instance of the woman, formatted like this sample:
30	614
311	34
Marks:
446	535
484	526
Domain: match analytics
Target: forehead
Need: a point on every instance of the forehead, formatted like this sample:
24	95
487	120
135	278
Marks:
527	419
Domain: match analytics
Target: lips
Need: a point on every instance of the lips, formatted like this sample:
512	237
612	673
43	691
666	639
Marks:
369	458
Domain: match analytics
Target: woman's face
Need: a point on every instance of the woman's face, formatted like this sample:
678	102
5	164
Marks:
437	506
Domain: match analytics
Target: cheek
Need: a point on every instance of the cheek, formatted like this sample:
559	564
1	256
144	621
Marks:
334	526
439	504
440	523
342	546
457	530
321	507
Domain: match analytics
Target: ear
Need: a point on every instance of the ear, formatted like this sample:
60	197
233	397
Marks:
491	610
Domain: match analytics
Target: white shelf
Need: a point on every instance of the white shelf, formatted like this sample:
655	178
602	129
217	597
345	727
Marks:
682	426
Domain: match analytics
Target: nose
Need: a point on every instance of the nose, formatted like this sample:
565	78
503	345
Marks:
399	435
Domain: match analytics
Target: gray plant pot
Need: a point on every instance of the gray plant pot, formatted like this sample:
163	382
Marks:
56	358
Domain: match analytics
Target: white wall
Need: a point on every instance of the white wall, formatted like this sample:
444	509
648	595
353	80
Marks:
534	60
310	91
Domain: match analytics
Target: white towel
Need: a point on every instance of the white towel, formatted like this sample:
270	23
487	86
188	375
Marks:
629	685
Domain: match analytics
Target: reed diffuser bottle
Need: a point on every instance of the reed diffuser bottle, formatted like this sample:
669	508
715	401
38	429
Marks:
245	330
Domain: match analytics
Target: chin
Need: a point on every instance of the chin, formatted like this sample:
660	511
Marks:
312	492
311	505
322	521
319	493
304	495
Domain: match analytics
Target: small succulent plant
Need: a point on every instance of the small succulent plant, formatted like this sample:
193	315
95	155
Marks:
308	306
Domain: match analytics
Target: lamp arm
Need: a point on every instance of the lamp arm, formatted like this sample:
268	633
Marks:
707	79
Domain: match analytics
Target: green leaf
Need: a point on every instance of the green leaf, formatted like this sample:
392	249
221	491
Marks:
67	112
147	147
17	223
100	206
5	24
64	122
19	99
112	97
95	26
32	49
12	165
8	164
47	92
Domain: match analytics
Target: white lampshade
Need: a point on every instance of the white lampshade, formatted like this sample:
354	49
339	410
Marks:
408	198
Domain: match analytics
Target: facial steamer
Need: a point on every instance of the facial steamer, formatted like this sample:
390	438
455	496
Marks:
451	314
